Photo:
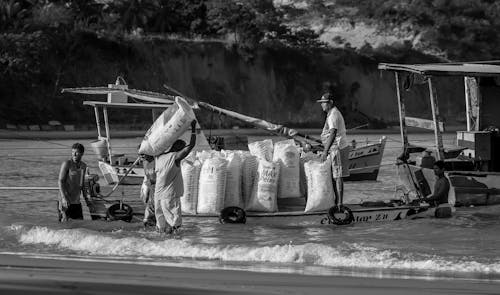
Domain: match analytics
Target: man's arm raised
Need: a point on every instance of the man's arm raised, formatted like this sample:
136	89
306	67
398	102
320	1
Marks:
185	151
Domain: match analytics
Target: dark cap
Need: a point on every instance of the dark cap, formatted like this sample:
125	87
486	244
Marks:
326	97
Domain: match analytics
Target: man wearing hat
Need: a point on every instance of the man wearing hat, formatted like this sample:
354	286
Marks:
334	141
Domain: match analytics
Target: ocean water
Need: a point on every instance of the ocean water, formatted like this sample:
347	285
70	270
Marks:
464	246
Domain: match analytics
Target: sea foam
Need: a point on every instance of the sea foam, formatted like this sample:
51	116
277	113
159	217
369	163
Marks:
314	254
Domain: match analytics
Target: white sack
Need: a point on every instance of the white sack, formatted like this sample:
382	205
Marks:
265	189
319	185
212	186
233	196
262	149
249	173
304	158
190	175
169	126
287	154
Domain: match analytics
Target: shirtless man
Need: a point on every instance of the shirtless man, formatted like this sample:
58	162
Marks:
71	177
441	187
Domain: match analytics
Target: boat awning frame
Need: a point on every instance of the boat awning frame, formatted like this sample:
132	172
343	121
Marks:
476	69
126	105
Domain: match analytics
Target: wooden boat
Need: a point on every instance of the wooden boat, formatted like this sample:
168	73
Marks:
473	165
364	165
364	159
291	212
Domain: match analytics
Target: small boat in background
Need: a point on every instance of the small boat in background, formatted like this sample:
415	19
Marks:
473	165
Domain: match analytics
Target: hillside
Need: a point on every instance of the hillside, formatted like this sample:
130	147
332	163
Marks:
265	60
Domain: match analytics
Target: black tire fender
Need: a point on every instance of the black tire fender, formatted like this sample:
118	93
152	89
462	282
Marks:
120	211
349	217
232	214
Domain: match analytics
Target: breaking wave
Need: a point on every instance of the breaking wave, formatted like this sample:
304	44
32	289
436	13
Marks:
311	254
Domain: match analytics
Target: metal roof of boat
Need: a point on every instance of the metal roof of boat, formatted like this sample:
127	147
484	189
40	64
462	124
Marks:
487	68
138	94
126	105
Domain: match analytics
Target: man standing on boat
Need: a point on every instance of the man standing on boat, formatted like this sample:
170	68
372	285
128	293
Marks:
169	185
71	177
441	187
148	189
335	144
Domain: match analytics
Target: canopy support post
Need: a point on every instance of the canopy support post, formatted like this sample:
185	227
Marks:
402	115
106	125
435	116
98	122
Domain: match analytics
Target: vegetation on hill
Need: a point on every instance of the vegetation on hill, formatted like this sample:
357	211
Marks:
41	39
454	29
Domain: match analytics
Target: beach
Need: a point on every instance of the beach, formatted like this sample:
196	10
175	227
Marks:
39	255
30	275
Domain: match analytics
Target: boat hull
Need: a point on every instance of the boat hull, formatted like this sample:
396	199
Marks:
284	218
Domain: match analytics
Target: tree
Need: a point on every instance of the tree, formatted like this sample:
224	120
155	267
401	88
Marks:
12	14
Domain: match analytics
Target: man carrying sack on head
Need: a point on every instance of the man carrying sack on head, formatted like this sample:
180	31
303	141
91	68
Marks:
334	141
169	186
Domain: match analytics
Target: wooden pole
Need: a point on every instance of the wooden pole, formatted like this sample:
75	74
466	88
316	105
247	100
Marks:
435	117
98	122
106	125
401	107
467	105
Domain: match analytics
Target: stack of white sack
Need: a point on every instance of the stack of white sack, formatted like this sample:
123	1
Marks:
169	126
212	185
233	196
190	168
319	185
287	155
265	189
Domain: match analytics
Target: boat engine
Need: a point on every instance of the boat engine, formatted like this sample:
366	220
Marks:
91	185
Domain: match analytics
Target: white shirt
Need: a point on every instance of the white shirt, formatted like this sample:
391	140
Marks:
334	119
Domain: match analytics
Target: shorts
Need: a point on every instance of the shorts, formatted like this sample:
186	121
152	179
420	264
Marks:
167	212
340	162
74	211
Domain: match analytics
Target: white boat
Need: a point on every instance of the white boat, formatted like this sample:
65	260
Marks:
473	165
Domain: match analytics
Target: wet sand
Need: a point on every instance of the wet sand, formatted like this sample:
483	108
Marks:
30	275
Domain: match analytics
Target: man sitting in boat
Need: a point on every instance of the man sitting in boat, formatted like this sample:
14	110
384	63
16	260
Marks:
335	144
441	187
148	189
71	177
169	185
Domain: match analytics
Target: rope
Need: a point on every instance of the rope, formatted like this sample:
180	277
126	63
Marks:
24	202
123	177
47	141
29	188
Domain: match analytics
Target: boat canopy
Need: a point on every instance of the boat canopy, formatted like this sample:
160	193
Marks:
126	105
482	89
477	69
